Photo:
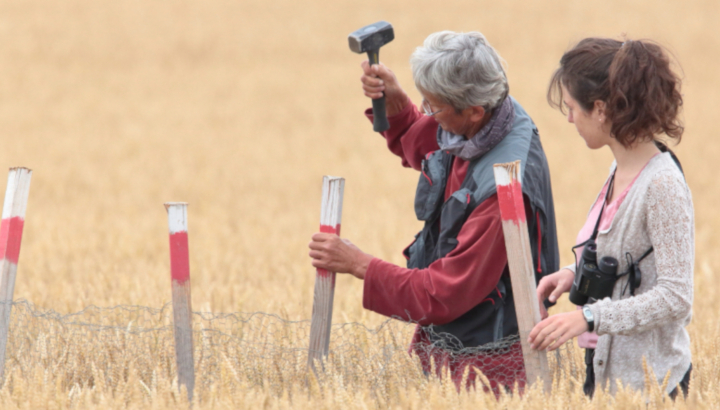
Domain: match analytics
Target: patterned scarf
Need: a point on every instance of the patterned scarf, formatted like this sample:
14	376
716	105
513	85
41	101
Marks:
486	139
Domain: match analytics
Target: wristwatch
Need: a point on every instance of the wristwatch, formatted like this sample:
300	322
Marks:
589	318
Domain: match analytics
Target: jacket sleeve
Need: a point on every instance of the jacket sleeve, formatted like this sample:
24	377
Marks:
670	226
411	135
450	286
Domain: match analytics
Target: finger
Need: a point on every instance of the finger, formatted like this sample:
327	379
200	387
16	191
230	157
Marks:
550	338
370	81
556	293
317	246
545	335
536	331
317	255
374	96
559	342
543	311
543	289
322	237
373	90
319	264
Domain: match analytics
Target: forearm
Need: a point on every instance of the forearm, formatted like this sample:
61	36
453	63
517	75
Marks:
451	285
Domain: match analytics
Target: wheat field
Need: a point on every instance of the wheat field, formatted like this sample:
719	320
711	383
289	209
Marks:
239	108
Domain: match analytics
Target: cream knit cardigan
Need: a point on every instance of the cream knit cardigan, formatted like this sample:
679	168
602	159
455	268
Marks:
657	212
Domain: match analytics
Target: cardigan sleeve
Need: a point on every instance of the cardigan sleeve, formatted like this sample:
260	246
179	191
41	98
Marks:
670	227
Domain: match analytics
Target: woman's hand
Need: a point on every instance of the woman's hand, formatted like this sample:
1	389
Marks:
554	285
333	254
552	332
377	79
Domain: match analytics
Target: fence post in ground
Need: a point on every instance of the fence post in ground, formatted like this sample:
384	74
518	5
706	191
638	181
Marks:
330	216
517	245
182	308
11	227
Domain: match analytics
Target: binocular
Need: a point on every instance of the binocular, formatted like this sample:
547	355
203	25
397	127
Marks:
592	279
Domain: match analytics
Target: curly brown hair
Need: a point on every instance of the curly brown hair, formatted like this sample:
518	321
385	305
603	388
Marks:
633	78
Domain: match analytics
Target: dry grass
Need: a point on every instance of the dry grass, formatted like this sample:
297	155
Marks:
239	108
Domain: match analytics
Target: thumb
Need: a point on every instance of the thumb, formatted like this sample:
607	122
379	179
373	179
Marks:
381	71
366	67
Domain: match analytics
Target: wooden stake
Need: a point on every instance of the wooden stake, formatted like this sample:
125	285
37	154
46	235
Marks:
11	228
182	308
517	244
330	216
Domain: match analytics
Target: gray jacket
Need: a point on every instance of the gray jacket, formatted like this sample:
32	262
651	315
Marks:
657	212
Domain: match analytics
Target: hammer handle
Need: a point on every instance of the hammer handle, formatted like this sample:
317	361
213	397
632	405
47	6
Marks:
380	122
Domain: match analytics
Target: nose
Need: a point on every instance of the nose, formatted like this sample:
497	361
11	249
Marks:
571	120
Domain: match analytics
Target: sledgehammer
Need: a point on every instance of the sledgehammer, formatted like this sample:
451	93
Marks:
369	39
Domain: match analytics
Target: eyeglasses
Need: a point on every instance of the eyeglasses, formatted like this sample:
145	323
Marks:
427	109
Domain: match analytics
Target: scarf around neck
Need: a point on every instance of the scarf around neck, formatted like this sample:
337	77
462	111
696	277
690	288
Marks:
486	139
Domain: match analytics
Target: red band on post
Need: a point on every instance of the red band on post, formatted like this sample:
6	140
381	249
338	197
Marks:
179	257
511	203
330	229
11	234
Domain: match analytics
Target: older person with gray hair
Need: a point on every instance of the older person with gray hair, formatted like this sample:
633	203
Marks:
456	286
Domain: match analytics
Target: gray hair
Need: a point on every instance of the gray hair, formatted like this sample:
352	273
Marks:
461	69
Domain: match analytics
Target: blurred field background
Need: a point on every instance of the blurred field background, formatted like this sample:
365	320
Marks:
240	108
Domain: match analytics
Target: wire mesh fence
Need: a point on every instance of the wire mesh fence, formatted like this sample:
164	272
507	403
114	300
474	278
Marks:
108	348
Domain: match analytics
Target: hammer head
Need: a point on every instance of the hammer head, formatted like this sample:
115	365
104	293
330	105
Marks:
372	37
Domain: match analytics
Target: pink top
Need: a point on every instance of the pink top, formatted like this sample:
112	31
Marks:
588	340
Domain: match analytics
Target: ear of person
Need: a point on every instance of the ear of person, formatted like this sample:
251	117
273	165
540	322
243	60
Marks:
599	107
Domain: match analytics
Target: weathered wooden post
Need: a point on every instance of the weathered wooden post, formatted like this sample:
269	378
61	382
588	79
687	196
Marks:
11	228
517	244
330	216
182	308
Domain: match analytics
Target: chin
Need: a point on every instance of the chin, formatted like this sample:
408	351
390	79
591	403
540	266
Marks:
592	144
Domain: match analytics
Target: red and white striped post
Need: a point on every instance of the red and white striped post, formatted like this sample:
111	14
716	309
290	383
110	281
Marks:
182	308
11	228
330	217
517	245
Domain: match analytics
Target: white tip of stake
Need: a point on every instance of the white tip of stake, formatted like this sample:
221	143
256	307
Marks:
501	176
18	182
177	216
504	173
332	200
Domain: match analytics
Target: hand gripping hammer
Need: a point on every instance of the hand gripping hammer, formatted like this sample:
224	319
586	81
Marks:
369	39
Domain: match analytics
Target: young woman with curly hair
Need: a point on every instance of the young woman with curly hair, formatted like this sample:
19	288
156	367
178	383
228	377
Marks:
624	95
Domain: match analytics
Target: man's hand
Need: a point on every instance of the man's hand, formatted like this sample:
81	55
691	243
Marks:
378	78
552	332
333	254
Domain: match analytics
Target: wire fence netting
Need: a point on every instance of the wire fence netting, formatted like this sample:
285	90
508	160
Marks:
105	346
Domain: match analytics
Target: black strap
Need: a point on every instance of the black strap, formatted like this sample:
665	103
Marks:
611	184
633	271
664	148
